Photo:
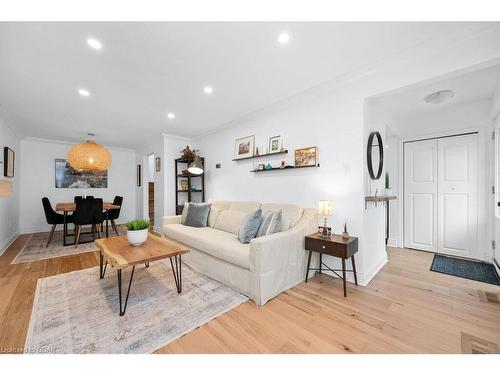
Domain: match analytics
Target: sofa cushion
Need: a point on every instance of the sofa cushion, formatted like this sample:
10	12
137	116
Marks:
291	213
230	221
197	215
246	207
212	216
220	204
250	226
270	224
217	243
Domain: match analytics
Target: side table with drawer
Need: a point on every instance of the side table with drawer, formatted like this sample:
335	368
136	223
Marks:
335	246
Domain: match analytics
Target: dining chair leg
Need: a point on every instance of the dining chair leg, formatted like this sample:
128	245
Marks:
114	227
98	232
93	230
51	234
78	227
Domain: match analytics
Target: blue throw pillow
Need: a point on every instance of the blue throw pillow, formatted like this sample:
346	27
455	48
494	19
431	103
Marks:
250	226
197	214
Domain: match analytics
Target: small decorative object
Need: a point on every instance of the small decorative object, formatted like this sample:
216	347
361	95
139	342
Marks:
184	184
282	165
324	231
345	233
244	147
138	173
256	151
8	162
185	172
387	190
268	166
137	231
157	164
196	166
188	153
193	187
275	144
306	157
260	167
325	209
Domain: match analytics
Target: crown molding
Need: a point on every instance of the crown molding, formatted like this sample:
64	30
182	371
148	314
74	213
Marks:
69	143
176	137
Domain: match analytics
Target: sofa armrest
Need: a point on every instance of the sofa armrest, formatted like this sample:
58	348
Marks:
165	220
281	250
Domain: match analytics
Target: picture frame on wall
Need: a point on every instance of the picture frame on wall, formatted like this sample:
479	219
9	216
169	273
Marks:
8	162
275	144
138	175
244	147
306	157
157	164
67	177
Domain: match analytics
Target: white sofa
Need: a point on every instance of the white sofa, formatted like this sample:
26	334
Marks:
260	270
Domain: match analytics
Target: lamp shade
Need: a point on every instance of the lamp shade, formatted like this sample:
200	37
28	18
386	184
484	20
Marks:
89	156
5	188
326	208
196	166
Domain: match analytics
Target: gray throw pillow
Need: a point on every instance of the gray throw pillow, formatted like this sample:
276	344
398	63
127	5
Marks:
270	224
250	226
197	214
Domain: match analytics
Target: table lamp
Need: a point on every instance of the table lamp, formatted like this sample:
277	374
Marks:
325	210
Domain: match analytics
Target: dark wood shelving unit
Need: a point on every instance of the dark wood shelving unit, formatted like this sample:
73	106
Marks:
182	164
286	168
262	155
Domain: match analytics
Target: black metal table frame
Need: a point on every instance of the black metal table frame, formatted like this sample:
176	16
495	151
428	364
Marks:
177	273
343	270
66	234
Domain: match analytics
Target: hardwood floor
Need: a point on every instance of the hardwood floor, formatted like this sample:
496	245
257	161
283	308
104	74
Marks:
405	309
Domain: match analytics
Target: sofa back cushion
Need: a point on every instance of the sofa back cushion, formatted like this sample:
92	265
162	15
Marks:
220	204
291	213
242	206
212	216
230	221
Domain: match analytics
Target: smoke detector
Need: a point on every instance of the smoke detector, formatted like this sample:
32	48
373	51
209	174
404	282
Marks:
439	96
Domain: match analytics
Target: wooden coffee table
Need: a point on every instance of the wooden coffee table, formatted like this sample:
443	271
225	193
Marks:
120	254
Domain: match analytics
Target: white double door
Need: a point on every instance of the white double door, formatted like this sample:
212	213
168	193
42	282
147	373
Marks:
440	195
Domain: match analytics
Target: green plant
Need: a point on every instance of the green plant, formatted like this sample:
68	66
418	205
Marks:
137	224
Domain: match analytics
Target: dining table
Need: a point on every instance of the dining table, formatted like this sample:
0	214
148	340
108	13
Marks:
71	207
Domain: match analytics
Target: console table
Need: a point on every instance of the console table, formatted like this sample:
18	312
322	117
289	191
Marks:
335	246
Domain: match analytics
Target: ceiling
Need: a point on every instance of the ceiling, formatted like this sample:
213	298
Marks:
146	70
467	87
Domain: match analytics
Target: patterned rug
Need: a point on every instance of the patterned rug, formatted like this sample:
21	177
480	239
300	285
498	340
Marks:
77	312
35	248
467	269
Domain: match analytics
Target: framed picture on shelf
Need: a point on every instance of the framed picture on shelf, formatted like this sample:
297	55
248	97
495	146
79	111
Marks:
324	231
275	144
306	157
138	175
157	164
244	147
8	162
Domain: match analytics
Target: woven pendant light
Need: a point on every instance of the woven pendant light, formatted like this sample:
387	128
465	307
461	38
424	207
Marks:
89	156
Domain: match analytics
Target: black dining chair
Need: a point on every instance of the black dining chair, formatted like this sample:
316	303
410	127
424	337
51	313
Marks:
53	218
114	213
79	197
88	212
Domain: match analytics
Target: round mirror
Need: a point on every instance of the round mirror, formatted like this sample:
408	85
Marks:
375	155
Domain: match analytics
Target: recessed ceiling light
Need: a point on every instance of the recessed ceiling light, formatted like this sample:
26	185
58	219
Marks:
439	96
283	38
84	92
171	115
94	43
208	89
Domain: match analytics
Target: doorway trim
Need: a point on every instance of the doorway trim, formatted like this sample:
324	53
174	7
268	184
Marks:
145	185
484	216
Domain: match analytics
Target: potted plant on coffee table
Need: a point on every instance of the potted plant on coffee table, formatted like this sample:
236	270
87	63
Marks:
137	231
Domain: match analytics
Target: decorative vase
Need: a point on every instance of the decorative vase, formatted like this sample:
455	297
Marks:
345	235
137	237
184	184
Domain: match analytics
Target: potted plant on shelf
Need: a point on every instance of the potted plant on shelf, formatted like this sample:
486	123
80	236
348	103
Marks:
137	231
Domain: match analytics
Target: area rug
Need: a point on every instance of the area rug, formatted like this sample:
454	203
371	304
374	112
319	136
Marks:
467	269
77	312
35	247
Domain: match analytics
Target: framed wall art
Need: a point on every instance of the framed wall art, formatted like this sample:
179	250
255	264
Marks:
8	162
69	177
306	157
138	175
244	147
275	144
157	164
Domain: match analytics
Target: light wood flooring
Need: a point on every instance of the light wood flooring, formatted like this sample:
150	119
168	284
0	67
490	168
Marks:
405	309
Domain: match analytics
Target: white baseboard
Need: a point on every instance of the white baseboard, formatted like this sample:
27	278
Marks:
392	242
156	229
367	277
8	241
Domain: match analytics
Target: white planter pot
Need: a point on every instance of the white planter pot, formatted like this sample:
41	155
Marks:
137	237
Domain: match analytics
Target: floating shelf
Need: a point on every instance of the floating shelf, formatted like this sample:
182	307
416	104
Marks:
262	155
379	198
287	167
189	175
190	190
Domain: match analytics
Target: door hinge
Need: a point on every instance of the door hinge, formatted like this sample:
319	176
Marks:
493	244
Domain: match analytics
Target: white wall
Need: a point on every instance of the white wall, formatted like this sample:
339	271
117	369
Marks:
151	168
9	206
38	181
332	117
